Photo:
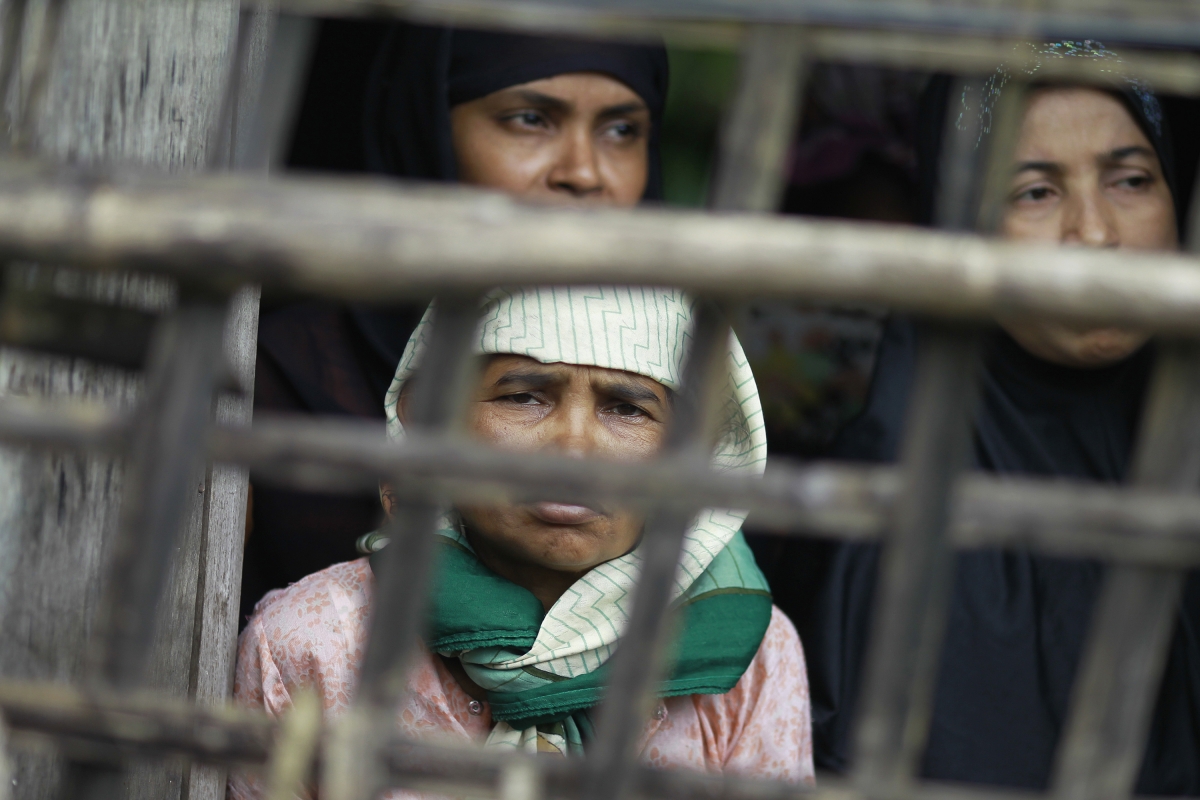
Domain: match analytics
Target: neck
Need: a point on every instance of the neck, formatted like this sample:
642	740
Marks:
547	585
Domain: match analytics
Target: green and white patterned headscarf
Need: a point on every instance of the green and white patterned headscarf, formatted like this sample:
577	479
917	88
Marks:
544	670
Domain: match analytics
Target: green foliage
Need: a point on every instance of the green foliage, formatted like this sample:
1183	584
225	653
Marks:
702	83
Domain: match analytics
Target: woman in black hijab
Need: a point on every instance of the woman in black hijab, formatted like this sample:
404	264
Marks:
561	120
1056	401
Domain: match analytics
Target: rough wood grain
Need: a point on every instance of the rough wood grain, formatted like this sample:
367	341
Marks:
374	240
138	84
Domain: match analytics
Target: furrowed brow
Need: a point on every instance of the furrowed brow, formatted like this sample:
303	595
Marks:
629	392
543	101
528	378
1038	166
622	110
1122	153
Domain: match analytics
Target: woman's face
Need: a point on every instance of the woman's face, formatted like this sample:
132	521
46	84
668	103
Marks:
583	412
580	137
1085	175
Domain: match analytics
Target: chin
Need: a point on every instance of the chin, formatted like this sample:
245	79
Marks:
1105	346
1084	349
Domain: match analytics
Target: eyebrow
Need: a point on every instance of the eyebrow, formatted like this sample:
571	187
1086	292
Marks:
552	103
540	100
532	378
629	392
622	109
1037	166
1120	154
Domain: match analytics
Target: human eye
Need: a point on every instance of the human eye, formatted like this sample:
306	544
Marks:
1030	195
526	118
521	399
1135	182
623	131
628	410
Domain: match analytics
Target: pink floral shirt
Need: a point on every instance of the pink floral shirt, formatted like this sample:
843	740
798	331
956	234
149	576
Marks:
313	634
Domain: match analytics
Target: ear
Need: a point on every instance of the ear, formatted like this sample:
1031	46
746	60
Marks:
387	496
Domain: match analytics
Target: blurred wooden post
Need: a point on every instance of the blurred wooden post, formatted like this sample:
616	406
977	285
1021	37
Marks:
136	84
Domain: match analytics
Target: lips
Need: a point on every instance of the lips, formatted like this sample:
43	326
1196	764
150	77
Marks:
563	513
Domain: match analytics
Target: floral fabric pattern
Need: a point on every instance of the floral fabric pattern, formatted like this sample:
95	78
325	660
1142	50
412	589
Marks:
313	635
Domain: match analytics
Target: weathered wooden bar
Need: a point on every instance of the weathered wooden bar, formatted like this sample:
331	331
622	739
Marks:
377	240
1166	22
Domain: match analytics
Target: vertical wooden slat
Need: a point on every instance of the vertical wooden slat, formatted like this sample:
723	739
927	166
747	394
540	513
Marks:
758	130
277	98
753	148
1112	703
917	563
166	456
637	663
916	567
219	575
354	766
1114	694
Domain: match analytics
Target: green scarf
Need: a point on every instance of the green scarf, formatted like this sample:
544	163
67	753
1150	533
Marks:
483	618
544	670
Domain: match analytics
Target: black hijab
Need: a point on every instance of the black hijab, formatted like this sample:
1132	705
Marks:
1017	621
421	73
326	358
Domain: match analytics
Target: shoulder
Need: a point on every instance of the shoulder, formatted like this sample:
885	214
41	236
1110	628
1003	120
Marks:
308	635
333	591
781	644
761	726
777	669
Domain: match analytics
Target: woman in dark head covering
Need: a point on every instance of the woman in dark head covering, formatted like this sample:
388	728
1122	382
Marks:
558	119
1091	168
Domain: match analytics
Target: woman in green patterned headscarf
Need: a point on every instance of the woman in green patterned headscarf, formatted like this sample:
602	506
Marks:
589	371
530	600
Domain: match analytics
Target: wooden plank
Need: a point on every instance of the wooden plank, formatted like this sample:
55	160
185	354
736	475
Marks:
374	240
759	128
1061	517
355	768
916	564
637	665
214	634
1153	22
137	84
1117	686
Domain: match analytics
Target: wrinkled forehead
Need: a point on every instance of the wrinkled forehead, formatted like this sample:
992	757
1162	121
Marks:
1079	121
643	330
513	368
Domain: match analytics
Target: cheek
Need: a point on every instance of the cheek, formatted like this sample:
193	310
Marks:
626	171
1150	225
509	427
1032	224
626	442
496	160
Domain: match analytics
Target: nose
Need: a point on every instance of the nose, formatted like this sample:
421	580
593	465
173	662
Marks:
1089	221
576	171
572	430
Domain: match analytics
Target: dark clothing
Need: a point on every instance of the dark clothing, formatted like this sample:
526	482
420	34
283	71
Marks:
1017	621
318	358
379	100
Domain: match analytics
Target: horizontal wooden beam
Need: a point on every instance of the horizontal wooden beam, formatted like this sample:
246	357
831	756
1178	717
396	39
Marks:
373	240
142	724
823	499
130	725
1161	22
1060	517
